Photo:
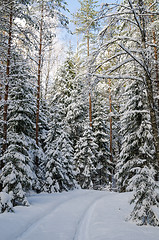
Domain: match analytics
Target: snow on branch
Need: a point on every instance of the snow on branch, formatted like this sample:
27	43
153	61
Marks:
135	16
128	77
112	41
120	65
119	54
153	4
135	58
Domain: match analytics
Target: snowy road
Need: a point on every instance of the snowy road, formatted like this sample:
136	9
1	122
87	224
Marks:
63	221
76	215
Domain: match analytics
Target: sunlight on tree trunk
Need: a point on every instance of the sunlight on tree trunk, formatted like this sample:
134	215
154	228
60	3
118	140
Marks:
6	84
39	75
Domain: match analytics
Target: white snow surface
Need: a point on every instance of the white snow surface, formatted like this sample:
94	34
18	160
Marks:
75	215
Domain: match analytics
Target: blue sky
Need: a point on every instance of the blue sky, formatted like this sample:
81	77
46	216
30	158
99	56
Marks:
73	6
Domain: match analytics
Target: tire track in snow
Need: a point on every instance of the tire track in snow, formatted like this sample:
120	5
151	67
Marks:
49	211
62	222
82	231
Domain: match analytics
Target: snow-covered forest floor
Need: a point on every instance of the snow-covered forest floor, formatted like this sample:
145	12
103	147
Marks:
75	215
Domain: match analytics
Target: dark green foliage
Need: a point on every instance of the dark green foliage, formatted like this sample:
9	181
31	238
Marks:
102	138
86	159
17	175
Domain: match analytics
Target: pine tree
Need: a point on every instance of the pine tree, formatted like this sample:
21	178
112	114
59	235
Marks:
74	99
40	150
84	21
86	159
60	169
17	175
70	90
48	10
133	114
145	191
60	173
10	11
136	167
101	135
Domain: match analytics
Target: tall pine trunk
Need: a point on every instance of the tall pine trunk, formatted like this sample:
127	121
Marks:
90	100
48	74
110	134
156	63
39	78
110	120
155	55
0	92
7	83
90	110
153	116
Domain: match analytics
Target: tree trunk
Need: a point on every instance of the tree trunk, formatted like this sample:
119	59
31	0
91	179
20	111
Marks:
153	117
0	93
156	66
111	135
39	77
110	120
90	110
48	74
7	83
90	100
156	63
88	43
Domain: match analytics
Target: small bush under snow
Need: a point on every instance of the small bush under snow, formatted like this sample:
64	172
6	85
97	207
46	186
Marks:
5	202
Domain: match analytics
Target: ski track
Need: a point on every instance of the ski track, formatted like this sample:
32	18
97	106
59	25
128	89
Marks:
77	229
82	230
40	217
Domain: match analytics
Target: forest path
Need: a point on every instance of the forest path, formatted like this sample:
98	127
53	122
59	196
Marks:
74	215
67	220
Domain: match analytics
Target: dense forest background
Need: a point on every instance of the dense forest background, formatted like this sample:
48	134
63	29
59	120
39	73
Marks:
93	123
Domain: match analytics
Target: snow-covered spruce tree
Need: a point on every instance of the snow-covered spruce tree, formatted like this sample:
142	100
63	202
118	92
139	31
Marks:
75	102
3	39
48	9
101	135
70	87
17	174
60	173
137	49
46	16
39	151
1	108
132	115
13	13
86	159
135	170
145	197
